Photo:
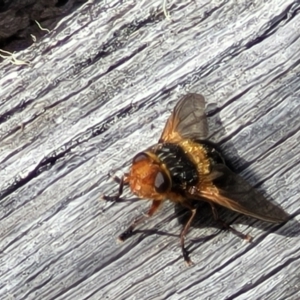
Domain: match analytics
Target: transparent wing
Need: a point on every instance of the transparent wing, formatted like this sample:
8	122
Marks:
233	192
188	120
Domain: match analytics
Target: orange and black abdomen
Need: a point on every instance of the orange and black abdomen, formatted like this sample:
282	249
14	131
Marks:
212	154
180	160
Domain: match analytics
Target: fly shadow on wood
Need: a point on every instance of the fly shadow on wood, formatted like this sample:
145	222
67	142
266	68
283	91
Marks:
210	228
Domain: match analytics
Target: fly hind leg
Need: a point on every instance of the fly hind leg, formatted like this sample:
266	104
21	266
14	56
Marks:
245	237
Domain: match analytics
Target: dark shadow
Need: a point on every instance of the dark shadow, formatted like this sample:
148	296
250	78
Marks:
236	164
204	218
146	232
208	228
204	222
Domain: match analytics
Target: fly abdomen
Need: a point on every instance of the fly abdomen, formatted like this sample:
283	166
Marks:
212	154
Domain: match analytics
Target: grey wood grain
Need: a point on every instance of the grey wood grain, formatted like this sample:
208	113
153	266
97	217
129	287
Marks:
100	89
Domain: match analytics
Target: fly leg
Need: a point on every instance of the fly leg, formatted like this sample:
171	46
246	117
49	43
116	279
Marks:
183	233
129	231
245	237
122	181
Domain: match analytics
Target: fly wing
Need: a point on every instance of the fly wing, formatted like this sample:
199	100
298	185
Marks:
233	192
188	120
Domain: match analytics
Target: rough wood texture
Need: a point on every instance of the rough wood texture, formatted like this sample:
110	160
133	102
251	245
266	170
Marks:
100	88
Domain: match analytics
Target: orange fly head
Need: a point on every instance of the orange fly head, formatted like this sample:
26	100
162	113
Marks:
148	177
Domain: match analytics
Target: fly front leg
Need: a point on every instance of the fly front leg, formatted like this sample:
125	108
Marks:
129	231
122	181
246	237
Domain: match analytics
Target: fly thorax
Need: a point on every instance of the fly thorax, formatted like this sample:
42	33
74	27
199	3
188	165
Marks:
182	170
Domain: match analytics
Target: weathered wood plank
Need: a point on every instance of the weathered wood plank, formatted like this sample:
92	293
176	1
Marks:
100	88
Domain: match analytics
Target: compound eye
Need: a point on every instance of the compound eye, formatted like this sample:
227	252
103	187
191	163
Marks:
139	157
162	182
